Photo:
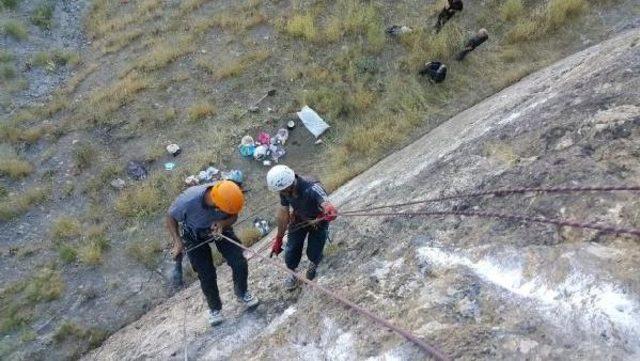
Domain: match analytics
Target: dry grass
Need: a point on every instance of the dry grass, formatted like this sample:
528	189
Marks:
95	243
302	26
165	52
146	252
249	235
561	11
102	103
17	204
511	10
238	66
65	228
361	18
20	298
14	167
201	110
71	331
425	46
525	30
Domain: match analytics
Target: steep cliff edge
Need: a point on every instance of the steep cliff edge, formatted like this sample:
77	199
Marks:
476	288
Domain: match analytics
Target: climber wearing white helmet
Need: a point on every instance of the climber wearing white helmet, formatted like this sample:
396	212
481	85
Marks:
306	210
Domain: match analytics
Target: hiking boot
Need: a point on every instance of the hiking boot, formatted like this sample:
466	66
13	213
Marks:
290	283
215	317
311	271
249	300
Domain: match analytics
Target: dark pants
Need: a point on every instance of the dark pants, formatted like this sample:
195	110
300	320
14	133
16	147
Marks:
202	263
315	245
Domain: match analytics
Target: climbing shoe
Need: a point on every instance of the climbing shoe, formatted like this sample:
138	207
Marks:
290	283
215	317
311	271
249	300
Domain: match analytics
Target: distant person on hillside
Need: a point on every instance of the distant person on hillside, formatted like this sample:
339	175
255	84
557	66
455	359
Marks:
449	10
480	37
203	212
436	71
306	211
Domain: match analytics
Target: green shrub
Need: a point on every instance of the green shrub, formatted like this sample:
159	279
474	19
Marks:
83	155
67	253
15	29
146	252
9	4
42	16
7	71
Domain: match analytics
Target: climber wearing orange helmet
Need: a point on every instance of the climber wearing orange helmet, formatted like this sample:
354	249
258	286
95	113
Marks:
202	212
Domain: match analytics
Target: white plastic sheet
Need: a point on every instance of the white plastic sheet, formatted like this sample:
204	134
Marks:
312	121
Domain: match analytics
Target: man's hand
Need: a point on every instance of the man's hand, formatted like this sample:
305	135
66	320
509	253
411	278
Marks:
329	212
276	247
177	250
216	229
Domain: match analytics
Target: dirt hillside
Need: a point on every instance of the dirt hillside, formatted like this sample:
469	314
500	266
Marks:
476	288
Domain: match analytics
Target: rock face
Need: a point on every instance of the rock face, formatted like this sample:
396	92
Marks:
476	288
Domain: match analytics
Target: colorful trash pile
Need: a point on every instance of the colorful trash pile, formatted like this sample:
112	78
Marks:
212	174
265	148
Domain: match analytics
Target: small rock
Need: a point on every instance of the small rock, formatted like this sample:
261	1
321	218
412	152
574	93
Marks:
75	141
319	141
118	183
527	345
254	109
564	143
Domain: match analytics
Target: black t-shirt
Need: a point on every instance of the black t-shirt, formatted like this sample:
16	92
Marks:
310	195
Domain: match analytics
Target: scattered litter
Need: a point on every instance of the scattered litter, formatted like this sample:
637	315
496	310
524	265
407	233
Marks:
262	226
261	152
264	138
75	141
266	163
281	137
234	175
174	149
395	30
276	151
118	183
136	170
169	166
254	109
266	149
319	141
247	146
436	71
312	121
192	181
291	124
209	175
270	110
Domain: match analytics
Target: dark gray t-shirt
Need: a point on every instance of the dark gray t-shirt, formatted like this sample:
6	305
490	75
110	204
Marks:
191	210
310	195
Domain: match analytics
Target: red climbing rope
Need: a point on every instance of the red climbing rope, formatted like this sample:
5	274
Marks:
502	192
512	217
430	350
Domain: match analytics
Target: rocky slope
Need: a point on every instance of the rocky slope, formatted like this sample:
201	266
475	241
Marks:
477	288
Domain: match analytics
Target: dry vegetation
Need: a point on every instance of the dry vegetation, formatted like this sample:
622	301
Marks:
160	72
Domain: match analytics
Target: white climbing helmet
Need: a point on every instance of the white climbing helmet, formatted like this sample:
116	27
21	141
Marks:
280	177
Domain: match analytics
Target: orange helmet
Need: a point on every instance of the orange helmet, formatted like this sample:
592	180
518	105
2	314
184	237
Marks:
227	196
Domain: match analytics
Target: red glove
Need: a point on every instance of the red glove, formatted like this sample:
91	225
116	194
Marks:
329	212
276	248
